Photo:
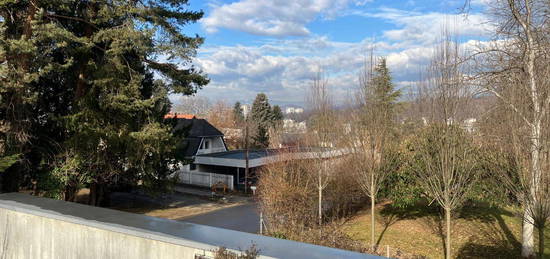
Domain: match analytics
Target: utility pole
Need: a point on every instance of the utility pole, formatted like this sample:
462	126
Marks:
246	156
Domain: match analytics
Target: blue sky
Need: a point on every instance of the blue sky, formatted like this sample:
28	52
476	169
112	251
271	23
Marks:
277	46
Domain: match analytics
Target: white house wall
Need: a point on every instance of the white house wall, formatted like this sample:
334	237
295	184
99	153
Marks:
216	145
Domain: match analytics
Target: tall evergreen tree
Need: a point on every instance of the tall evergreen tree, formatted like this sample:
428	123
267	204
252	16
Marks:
277	116
381	96
86	67
238	113
261	138
260	116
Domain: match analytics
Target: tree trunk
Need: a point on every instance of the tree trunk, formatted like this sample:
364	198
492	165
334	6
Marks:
82	80
448	239
93	197
11	178
69	194
27	34
99	195
320	201
541	242
527	244
373	223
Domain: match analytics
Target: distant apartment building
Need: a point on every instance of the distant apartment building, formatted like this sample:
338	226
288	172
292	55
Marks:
468	124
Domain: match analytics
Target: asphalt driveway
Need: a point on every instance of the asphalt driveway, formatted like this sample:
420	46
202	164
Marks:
244	218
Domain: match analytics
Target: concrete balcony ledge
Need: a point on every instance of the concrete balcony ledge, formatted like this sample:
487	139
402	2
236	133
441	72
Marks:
33	227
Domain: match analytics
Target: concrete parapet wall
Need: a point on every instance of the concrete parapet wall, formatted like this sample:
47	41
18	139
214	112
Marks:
32	227
27	236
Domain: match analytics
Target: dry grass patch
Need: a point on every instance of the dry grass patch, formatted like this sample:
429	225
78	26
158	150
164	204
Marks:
479	232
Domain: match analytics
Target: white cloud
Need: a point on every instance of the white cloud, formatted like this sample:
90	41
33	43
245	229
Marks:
483	3
240	72
273	17
283	68
425	28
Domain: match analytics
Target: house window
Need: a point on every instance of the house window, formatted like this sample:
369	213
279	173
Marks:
205	144
192	167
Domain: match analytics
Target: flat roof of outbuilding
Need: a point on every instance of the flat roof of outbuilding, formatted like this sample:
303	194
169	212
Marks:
237	158
241	154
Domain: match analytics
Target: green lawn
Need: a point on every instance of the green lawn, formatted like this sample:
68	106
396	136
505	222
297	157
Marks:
478	232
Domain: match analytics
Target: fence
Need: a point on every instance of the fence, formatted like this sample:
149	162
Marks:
205	179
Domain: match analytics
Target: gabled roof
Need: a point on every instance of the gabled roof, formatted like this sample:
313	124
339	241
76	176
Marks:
198	128
195	129
191	146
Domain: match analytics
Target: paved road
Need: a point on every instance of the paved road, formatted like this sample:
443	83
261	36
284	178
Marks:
241	218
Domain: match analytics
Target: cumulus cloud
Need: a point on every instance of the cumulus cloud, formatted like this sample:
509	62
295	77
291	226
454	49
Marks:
240	72
283	68
425	28
273	17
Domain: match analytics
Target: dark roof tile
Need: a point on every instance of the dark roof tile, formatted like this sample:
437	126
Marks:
198	128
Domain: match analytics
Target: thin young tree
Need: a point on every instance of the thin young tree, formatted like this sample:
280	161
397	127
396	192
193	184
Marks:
322	132
371	129
444	163
446	168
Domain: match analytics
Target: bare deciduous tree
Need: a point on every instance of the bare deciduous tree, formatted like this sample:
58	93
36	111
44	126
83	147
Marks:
199	106
322	132
446	166
370	130
221	115
515	68
287	196
446	169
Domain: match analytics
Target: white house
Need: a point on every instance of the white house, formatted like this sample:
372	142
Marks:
212	163
201	138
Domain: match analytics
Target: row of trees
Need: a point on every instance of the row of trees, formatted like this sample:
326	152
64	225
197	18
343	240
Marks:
79	105
261	120
428	149
406	162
